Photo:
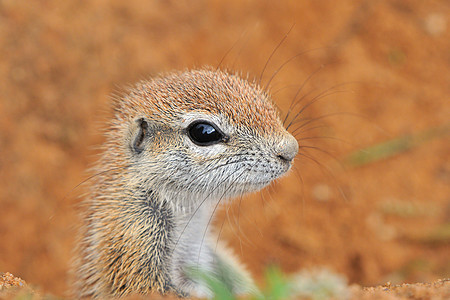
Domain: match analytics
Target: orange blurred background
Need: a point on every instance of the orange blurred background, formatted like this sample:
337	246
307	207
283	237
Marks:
385	65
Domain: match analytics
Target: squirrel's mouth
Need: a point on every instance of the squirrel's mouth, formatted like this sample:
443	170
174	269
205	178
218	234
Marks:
256	180
243	188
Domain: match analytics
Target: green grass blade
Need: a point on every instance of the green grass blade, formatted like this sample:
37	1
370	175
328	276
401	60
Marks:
393	147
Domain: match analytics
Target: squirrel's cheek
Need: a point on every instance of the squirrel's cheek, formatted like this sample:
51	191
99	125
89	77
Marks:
206	152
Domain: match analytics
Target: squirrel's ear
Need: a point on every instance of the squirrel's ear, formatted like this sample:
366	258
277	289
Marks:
142	132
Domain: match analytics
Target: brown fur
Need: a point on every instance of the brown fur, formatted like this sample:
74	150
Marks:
215	92
127	236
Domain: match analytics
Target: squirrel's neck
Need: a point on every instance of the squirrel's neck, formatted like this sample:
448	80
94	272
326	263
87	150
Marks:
130	245
188	235
147	243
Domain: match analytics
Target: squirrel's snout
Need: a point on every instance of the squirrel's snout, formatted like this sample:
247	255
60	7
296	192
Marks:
288	148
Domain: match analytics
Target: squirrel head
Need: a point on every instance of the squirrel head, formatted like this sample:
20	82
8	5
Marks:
201	134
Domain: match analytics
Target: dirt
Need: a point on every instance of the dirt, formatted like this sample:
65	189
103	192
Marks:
383	66
439	289
14	287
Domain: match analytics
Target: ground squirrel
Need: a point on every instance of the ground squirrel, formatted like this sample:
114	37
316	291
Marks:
179	145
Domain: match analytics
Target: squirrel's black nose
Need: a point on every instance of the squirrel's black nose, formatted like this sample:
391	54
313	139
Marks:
288	148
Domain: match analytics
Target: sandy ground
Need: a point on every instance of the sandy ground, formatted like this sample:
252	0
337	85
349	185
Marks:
14	287
384	66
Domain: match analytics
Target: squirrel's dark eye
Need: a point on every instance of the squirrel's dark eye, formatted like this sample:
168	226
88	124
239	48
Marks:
203	133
